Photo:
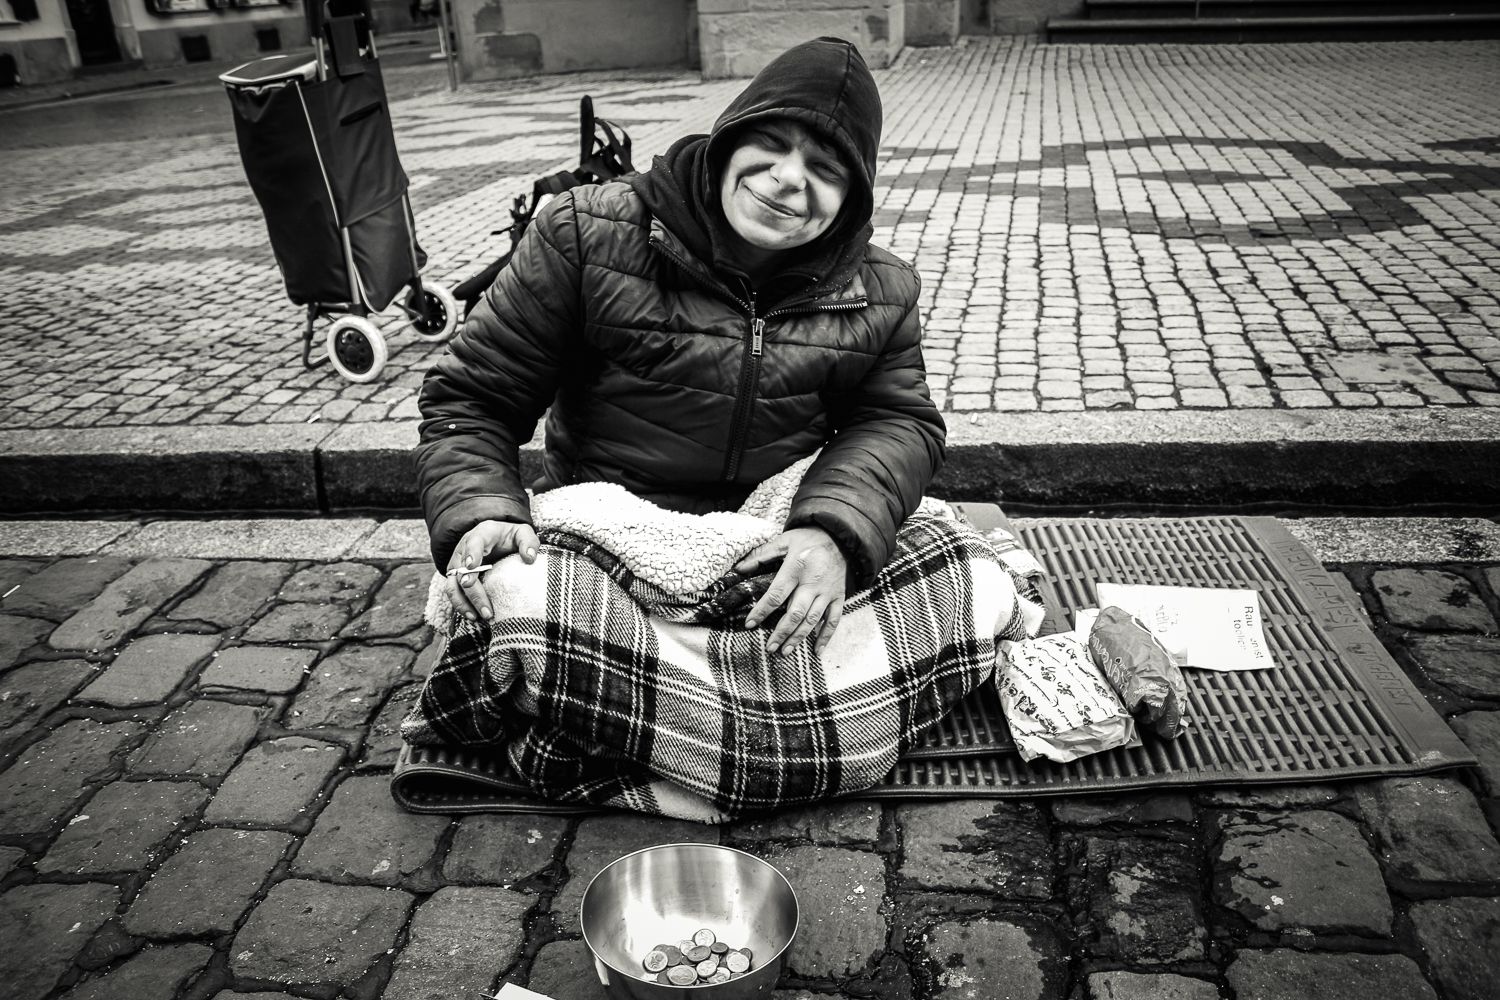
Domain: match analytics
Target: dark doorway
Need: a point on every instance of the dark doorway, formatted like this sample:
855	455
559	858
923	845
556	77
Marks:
94	29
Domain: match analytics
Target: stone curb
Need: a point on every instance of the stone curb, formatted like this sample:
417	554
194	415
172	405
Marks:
1194	459
1225	458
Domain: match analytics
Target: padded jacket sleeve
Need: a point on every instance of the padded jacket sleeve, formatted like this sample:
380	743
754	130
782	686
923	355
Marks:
887	445
483	398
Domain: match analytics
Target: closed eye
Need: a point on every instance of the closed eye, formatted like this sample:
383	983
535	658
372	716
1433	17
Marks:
831	170
822	158
768	140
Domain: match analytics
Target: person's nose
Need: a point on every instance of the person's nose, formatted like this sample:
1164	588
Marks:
790	171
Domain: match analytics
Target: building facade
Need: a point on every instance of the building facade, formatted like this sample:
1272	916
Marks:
47	40
722	38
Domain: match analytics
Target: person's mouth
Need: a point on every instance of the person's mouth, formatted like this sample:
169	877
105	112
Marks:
772	204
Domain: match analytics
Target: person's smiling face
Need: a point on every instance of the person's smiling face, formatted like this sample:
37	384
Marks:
783	185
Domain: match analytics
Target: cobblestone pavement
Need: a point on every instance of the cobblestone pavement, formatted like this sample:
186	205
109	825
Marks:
1132	227
193	803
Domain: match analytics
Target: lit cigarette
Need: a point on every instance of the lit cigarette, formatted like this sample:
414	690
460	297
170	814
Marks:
464	571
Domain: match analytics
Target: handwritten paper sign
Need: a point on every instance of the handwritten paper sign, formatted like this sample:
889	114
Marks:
1208	628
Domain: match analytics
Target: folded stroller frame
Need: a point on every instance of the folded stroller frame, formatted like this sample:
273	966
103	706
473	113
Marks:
604	154
316	142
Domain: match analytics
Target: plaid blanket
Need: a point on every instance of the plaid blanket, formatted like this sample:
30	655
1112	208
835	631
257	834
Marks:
607	688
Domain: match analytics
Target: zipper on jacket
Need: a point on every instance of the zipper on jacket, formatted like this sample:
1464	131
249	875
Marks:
707	281
813	307
744	402
744	397
750	373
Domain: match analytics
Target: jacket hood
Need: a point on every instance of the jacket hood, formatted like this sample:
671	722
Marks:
823	84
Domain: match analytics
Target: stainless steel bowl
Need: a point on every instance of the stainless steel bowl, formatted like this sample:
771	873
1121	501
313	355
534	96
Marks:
663	894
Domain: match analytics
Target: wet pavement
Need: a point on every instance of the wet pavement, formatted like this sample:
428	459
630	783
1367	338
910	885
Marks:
199	721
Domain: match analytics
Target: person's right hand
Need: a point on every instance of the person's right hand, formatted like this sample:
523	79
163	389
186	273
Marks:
486	542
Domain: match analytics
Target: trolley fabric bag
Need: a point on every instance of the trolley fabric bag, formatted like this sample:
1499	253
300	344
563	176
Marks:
320	154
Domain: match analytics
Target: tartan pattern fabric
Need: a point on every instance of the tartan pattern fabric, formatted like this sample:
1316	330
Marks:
607	690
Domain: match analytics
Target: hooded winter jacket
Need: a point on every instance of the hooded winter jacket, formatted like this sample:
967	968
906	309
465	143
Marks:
667	372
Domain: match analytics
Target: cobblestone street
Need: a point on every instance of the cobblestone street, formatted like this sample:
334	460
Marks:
1100	228
194	803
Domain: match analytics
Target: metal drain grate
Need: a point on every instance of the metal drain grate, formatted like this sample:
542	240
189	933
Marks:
1336	705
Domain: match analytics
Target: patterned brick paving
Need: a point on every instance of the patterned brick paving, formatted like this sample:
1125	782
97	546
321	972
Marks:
1135	227
1155	227
150	260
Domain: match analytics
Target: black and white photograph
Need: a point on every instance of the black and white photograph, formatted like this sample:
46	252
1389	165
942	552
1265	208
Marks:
749	500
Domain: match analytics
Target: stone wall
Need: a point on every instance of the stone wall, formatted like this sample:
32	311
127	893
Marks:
391	16
725	38
485	50
603	34
932	22
42	49
1014	17
738	37
507	38
39	59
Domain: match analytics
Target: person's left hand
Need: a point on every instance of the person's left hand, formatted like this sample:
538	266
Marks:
810	584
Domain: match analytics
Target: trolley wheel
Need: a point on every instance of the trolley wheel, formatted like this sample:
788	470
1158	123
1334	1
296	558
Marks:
442	312
357	348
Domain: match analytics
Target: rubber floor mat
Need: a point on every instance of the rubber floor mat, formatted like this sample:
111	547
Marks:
436	779
1335	706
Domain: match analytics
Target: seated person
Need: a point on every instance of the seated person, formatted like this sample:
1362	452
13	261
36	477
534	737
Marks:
694	330
704	333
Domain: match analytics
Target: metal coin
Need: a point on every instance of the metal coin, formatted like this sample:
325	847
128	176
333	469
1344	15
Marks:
655	960
718	947
698	953
747	953
707	967
663	978
721	975
705	937
682	975
673	953
736	961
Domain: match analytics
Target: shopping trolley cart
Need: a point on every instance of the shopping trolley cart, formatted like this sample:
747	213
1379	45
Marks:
316	142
